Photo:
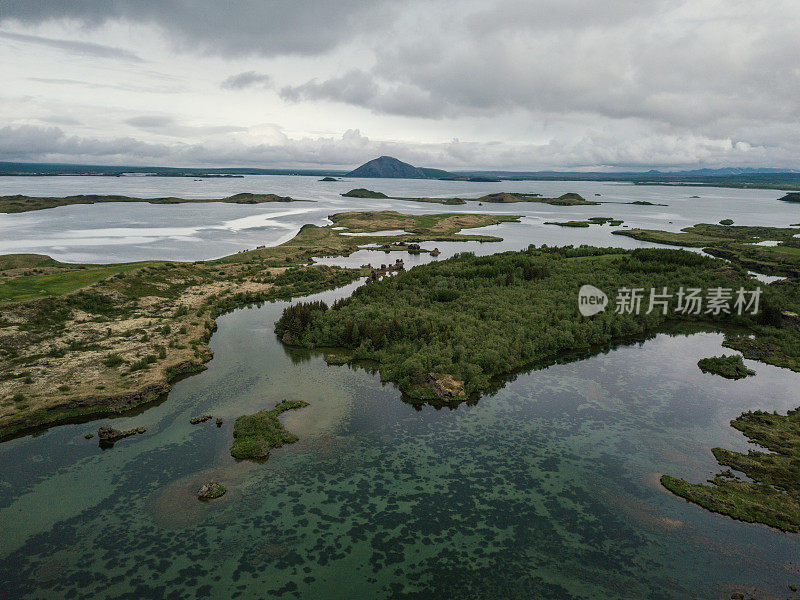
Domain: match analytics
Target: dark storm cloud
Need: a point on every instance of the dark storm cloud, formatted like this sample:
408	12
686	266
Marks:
246	80
75	47
631	82
267	27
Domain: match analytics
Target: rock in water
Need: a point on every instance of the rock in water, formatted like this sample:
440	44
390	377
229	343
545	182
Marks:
211	490
108	435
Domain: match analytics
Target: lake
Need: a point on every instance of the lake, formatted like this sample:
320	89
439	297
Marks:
547	488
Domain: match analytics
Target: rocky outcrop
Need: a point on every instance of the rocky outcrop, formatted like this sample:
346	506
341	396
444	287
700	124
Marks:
211	491
201	419
121	402
384	270
108	435
791	197
445	386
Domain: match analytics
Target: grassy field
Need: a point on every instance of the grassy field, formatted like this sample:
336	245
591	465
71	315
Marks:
29	287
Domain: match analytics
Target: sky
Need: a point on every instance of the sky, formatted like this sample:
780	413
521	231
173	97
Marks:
493	85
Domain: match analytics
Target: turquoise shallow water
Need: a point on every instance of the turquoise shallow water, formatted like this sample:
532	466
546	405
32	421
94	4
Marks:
546	489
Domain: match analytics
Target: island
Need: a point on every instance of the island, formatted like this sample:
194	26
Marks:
791	197
18	203
469	321
255	435
568	199
730	367
364	193
588	222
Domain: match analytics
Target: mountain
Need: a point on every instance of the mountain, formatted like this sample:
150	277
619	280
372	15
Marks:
387	166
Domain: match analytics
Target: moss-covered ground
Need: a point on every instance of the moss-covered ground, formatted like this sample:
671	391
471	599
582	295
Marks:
255	435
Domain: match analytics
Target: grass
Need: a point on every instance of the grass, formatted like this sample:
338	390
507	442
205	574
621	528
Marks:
736	243
730	367
19	203
255	435
445	224
29	287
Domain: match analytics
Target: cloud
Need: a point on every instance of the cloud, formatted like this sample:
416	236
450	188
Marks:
76	47
271	147
246	80
535	83
169	126
111	86
150	121
267	27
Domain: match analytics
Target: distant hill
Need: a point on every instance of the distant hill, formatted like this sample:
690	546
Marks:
390	167
387	166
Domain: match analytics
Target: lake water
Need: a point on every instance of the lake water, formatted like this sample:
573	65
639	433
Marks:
547	488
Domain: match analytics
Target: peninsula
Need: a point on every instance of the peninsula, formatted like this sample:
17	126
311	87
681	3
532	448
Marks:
80	341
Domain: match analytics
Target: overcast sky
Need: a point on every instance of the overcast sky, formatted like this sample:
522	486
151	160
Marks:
505	84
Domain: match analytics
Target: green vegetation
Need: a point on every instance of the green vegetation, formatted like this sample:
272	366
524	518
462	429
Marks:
772	494
737	243
587	222
19	203
646	203
439	227
568	223
476	319
726	222
211	491
336	359
130	330
730	367
568	199
255	435
791	197
67	279
364	193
